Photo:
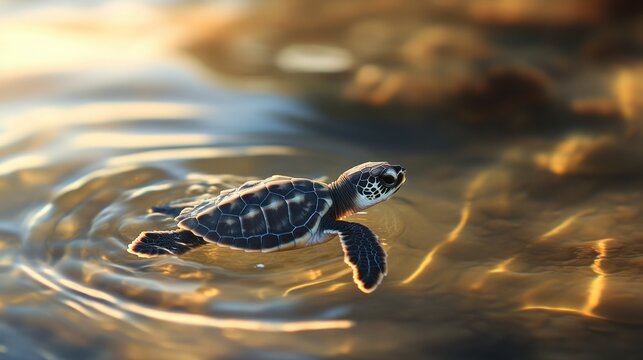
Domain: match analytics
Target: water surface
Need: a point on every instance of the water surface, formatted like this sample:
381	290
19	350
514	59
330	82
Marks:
512	240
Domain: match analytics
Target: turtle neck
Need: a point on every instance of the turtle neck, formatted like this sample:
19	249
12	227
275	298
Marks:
343	194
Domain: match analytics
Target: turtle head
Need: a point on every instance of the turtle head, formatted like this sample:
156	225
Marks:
370	183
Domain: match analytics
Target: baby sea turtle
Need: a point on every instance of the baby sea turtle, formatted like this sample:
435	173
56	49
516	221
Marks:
282	213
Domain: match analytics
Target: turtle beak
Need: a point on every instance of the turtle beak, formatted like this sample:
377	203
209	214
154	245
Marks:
401	178
401	175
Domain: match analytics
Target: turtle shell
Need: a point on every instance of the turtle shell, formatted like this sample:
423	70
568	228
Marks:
277	213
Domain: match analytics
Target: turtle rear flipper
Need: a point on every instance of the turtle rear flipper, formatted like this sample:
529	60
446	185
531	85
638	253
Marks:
154	243
172	210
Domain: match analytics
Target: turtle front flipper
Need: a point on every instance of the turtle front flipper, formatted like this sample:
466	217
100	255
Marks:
363	253
154	243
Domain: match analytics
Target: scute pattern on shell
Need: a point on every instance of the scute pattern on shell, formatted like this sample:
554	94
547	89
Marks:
277	213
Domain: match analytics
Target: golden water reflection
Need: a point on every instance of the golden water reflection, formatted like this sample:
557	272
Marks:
175	317
594	291
453	235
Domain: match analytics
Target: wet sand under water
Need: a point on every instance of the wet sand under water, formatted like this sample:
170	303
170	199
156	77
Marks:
519	247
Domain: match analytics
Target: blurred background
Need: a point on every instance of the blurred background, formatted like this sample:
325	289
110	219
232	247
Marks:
517	235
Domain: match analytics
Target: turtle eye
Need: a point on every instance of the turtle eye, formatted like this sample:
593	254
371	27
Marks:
388	179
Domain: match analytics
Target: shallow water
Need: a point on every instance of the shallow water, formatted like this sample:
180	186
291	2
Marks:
501	244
